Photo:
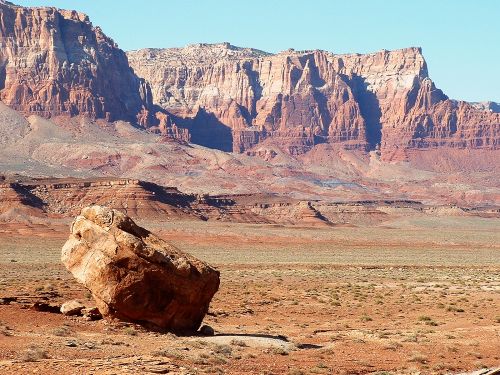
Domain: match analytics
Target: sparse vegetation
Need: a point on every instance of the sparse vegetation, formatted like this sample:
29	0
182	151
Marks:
224	350
237	342
62	331
131	331
387	310
278	350
427	320
34	354
5	330
454	309
419	358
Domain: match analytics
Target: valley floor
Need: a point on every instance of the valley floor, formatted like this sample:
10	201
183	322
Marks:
415	295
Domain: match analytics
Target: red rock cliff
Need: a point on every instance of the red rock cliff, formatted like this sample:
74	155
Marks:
55	62
233	98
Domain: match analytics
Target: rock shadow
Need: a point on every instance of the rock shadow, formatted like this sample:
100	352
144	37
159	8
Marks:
206	130
252	335
27	197
370	109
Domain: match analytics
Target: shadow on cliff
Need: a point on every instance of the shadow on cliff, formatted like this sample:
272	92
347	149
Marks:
28	198
326	117
257	88
3	76
206	130
370	109
168	196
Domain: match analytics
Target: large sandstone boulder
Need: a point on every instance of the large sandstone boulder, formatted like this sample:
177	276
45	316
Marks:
135	276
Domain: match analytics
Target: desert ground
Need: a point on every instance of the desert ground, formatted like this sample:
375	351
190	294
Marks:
410	295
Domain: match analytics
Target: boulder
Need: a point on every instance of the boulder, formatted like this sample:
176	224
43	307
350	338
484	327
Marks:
72	308
134	275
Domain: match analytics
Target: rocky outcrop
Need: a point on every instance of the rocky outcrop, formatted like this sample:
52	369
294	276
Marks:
71	308
487	106
233	98
55	62
169	129
134	197
15	197
134	275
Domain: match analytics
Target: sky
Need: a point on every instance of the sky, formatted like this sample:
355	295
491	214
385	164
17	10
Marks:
460	38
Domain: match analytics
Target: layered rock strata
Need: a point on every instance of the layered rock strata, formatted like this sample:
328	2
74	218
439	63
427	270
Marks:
55	62
233	98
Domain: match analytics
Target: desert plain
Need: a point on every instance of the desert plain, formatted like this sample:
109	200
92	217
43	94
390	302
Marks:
415	293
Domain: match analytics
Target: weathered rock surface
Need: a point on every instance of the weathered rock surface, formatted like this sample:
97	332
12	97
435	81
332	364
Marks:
232	98
311	104
134	275
55	62
71	308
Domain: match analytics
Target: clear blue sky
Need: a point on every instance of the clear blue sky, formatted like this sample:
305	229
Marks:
460	38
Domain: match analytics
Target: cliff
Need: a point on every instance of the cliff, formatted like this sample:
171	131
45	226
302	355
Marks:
232	98
55	62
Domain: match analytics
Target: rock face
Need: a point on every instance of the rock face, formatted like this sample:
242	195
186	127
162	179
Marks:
135	276
55	62
232	98
68	197
71	308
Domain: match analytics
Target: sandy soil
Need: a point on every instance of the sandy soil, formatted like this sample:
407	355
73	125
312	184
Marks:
403	297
